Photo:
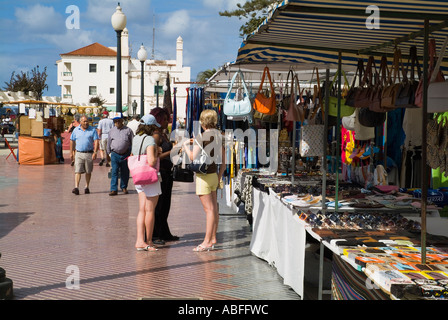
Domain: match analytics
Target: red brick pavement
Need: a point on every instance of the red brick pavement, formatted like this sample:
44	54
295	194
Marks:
44	229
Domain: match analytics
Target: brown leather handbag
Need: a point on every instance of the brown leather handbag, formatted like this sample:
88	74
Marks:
390	90
296	109
288	91
405	96
262	103
363	97
377	91
353	91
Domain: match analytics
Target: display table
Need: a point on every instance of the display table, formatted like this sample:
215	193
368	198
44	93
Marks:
36	151
279	239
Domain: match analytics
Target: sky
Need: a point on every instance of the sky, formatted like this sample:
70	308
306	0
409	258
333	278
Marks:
35	33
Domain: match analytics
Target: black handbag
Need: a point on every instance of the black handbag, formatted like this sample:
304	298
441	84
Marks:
182	175
200	164
405	96
369	118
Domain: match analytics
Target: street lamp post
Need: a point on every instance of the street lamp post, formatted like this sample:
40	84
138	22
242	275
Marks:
118	21
142	55
157	88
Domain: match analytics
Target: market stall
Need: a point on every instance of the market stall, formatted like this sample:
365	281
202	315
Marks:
37	124
289	35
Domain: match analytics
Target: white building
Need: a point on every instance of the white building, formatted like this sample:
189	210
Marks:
90	71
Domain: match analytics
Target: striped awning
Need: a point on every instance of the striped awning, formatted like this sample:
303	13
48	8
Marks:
314	32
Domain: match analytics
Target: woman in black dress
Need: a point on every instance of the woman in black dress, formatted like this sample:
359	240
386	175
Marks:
162	231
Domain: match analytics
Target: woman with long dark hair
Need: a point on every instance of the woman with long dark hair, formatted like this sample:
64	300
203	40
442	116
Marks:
162	231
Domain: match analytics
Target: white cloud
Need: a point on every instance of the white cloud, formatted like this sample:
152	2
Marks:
39	19
221	5
102	10
178	23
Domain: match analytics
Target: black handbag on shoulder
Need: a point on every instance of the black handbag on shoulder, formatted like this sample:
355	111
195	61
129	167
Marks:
182	175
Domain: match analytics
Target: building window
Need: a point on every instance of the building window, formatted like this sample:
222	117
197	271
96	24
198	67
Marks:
158	89
92	67
112	90
92	90
112	68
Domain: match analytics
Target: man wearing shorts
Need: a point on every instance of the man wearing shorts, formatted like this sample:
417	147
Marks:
85	141
104	126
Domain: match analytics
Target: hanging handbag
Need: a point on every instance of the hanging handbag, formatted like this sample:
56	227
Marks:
362	132
201	163
139	169
379	86
390	90
369	118
364	93
234	108
296	109
346	110
311	140
353	91
262	103
288	91
405	97
437	89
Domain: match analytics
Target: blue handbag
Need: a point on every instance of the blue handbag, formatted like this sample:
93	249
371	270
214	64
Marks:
241	108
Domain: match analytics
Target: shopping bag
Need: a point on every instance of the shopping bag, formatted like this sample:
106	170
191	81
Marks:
141	172
233	107
139	169
262	103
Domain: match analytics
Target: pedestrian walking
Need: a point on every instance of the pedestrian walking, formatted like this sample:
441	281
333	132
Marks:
84	143
104	126
207	183
134	123
148	195
119	144
162	231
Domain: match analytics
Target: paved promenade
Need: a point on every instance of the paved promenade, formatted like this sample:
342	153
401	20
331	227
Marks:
47	235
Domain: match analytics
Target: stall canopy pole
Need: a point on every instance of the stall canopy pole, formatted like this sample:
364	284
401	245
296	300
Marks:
424	144
293	157
338	133
325	142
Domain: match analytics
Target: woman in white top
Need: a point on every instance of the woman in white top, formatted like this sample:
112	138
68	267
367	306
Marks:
148	195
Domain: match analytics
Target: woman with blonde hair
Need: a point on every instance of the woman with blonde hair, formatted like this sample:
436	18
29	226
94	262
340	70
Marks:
207	183
148	195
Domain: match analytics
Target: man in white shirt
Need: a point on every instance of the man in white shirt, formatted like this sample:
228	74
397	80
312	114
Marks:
134	123
104	126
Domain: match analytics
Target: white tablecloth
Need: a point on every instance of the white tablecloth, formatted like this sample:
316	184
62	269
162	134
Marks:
279	239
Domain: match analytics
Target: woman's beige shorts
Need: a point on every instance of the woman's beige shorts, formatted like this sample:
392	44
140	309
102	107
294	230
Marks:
206	183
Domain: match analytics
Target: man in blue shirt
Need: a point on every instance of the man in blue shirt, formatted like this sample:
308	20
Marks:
84	143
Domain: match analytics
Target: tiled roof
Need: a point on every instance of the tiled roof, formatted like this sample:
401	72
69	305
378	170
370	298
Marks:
95	49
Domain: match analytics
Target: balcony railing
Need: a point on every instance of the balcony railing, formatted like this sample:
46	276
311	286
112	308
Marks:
67	76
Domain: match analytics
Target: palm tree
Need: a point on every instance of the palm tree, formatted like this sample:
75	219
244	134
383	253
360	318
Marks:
203	76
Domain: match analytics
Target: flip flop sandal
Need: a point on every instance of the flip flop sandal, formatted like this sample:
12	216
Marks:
201	248
147	248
